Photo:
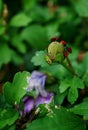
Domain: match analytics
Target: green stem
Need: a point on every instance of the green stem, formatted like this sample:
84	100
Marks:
67	64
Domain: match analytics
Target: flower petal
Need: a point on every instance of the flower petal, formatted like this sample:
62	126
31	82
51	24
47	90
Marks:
28	104
44	100
37	81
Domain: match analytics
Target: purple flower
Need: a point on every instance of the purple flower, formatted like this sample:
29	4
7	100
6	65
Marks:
30	102
37	81
44	100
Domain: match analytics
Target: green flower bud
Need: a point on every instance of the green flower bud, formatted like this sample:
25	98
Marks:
58	52
55	51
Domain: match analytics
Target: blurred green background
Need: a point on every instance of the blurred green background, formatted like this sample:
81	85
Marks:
27	26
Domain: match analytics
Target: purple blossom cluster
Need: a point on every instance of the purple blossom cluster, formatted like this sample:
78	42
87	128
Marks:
36	82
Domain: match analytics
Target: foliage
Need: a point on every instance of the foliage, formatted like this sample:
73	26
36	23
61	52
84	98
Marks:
81	7
81	108
73	84
26	27
20	20
62	120
7	117
14	91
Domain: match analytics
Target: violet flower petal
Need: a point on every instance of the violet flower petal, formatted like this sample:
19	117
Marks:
37	81
28	104
44	100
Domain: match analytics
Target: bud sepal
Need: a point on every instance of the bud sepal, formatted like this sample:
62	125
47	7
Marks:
58	53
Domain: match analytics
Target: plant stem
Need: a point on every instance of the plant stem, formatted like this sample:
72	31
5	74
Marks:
67	64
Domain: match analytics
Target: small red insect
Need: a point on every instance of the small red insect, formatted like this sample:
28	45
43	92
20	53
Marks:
63	42
65	54
54	39
69	49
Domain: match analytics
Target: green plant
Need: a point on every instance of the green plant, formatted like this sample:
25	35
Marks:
47	81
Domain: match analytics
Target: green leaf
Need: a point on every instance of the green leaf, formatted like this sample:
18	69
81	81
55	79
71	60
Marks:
52	29
60	120
12	127
16	58
18	44
56	70
72	95
85	63
36	36
59	98
43	110
14	91
20	20
85	79
81	109
5	54
32	93
75	83
42	15
1	7
65	84
2	101
39	59
27	5
7	117
81	7
2	29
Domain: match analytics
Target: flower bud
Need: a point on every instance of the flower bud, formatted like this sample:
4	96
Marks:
55	49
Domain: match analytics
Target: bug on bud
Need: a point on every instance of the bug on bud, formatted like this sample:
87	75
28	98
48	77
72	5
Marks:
63	42
69	49
54	39
58	51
